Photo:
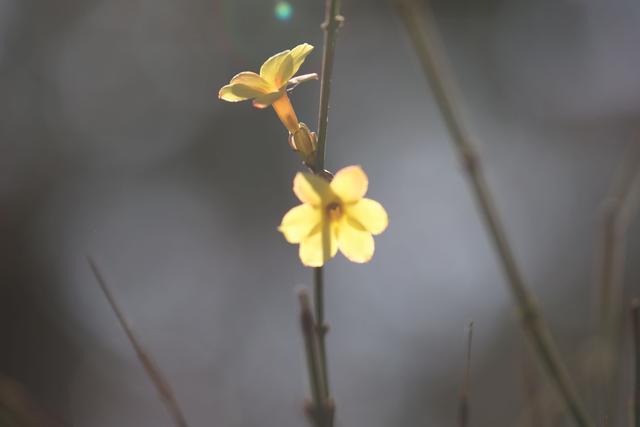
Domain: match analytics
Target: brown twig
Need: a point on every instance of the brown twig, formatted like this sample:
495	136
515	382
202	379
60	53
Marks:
533	409
153	372
320	409
616	213
423	36
463	415
615	216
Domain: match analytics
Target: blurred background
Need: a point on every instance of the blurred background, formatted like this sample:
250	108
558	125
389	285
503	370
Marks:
113	143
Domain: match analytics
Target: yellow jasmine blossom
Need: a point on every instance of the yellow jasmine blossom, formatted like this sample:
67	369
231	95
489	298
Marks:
270	86
334	215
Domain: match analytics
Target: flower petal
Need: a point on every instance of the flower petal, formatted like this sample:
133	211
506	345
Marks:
298	54
311	189
354	241
350	184
312	249
264	101
245	85
278	69
370	214
251	79
298	223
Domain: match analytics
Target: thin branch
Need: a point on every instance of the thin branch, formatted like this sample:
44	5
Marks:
423	37
320	327
320	410
635	316
532	409
332	22
153	372
615	215
464	393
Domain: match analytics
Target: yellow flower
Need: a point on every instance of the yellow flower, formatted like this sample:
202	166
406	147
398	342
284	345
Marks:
270	86
334	216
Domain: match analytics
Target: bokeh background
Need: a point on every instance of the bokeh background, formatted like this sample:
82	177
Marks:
113	143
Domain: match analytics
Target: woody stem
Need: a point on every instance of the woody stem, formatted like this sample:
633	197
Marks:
424	39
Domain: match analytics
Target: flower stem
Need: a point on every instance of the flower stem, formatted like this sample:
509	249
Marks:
331	24
423	39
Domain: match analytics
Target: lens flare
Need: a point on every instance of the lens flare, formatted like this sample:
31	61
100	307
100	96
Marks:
283	10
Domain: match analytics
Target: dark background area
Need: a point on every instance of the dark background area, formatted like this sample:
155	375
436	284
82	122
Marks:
113	143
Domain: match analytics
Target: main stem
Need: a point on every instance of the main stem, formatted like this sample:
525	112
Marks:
331	24
532	321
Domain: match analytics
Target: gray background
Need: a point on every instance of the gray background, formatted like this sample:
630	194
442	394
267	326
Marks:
113	143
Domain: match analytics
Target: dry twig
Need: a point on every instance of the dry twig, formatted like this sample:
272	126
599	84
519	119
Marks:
153	372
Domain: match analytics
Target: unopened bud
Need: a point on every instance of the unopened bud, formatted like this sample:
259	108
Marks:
304	142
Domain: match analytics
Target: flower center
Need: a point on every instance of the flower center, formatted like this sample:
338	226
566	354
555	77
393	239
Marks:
334	211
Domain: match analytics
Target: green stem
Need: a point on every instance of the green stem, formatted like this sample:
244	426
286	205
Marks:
331	24
423	39
320	327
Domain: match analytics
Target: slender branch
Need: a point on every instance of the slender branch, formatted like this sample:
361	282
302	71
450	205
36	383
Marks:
321	328
320	409
331	24
616	213
615	216
635	324
423	37
532	409
153	372
464	393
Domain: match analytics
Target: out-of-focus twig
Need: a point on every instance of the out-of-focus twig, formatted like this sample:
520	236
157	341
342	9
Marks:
533	405
153	372
320	410
616	213
422	33
463	415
